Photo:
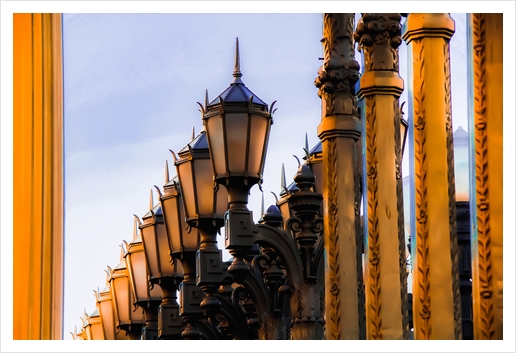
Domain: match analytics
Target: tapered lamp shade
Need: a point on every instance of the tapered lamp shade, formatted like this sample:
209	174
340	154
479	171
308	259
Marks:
156	247
107	313
181	237
139	279
126	313
315	156
238	125
194	171
93	326
238	136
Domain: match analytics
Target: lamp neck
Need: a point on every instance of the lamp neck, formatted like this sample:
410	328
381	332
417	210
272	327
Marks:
208	229
188	262
238	192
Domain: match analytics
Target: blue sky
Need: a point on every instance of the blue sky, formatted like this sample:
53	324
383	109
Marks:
131	86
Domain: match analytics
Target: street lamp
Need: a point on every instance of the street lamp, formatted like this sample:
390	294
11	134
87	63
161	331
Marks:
164	270
106	309
238	157
128	316
92	326
204	206
146	296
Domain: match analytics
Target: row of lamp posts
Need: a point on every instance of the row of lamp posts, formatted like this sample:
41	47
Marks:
273	286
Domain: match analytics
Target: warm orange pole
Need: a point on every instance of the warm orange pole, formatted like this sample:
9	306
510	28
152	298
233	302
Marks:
38	177
436	286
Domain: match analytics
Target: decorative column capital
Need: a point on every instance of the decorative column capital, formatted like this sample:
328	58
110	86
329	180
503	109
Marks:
337	76
379	31
419	25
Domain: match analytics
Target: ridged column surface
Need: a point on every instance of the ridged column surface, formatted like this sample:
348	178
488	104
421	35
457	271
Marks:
38	177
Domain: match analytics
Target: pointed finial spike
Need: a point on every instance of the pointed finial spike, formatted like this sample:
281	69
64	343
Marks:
306	142
167	179
193	132
122	252
236	71
206	99
151	205
283	180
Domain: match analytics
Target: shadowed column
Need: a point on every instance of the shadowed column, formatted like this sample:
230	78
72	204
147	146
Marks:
485	50
379	36
340	131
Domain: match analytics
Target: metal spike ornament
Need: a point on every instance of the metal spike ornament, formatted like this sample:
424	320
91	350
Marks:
236	71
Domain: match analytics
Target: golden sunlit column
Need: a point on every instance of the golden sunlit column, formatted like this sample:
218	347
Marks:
340	131
436	286
379	36
485	50
38	177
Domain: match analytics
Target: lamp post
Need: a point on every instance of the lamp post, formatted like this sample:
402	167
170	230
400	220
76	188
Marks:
92	326
145	296
204	207
106	310
128	316
238	157
273	288
164	270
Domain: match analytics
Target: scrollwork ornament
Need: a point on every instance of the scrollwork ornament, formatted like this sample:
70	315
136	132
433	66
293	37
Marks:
294	225
317	225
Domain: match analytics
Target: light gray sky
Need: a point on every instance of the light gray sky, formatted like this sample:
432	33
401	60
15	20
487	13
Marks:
131	86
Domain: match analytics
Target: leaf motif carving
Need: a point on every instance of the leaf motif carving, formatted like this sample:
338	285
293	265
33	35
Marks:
485	276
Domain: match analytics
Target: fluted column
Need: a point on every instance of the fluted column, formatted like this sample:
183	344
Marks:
485	50
37	177
340	131
436	286
379	36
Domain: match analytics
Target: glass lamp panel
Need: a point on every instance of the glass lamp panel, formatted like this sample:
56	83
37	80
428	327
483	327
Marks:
155	292
87	329
172	214
138	271
285	210
151	249
204	186
215	134
184	173
120	292
236	136
317	170
221	201
96	330
107	317
164	251
258	144
191	240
